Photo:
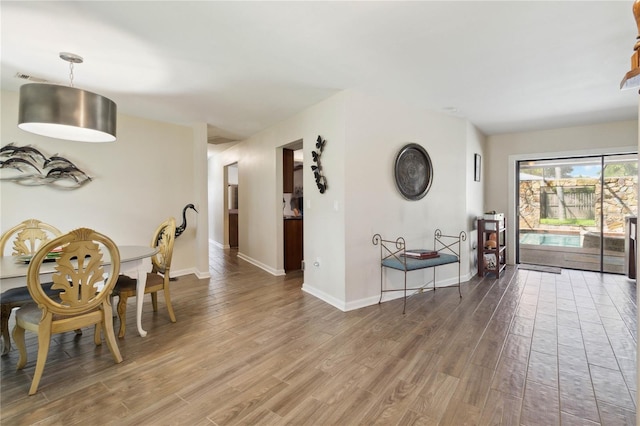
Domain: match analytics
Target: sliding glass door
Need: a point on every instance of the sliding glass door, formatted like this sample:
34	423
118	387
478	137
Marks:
572	211
619	201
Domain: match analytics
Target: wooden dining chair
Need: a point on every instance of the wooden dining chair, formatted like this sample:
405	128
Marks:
84	298
157	279
25	239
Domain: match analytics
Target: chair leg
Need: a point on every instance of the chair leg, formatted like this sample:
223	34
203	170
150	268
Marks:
112	298
122	314
97	334
5	313
44	340
167	301
109	334
154	301
18	337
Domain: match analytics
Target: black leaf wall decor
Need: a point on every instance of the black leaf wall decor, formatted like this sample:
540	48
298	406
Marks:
321	181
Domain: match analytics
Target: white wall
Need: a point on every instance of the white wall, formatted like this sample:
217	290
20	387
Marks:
476	143
504	150
199	192
150	173
363	136
376	130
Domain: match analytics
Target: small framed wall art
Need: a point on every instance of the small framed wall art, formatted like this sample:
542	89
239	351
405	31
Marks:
477	165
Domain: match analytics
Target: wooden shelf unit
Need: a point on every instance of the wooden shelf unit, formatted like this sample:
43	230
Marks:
487	227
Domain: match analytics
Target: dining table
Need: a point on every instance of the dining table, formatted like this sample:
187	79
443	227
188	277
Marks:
134	262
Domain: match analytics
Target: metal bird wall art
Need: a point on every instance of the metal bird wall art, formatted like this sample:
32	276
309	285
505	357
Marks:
180	229
26	165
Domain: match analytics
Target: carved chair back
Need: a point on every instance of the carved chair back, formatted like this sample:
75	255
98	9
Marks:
163	239
27	237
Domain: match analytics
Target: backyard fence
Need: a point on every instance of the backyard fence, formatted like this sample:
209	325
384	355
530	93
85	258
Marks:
574	203
616	200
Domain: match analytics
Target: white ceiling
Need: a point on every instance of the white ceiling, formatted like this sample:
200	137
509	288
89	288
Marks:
506	66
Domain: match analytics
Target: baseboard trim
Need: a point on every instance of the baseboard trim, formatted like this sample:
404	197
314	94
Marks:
217	244
272	271
324	297
199	274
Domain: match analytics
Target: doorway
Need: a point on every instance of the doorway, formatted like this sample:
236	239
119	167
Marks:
573	211
232	204
293	206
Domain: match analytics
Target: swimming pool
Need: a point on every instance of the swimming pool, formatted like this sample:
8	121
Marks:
558	240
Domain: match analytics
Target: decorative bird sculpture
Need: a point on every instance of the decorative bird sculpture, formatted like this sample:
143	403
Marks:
180	229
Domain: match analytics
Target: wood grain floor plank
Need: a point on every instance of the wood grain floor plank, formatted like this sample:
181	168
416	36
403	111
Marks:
299	388
501	409
391	405
434	397
245	403
509	377
459	413
414	419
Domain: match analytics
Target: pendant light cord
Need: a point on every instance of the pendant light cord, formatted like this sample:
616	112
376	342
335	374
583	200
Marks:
71	74
73	59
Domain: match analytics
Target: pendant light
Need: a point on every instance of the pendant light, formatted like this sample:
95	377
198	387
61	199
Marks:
64	112
632	78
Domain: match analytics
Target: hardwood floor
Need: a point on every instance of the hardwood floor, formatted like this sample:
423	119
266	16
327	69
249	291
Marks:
530	348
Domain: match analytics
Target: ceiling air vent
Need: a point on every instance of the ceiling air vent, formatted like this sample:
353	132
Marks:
216	140
31	78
